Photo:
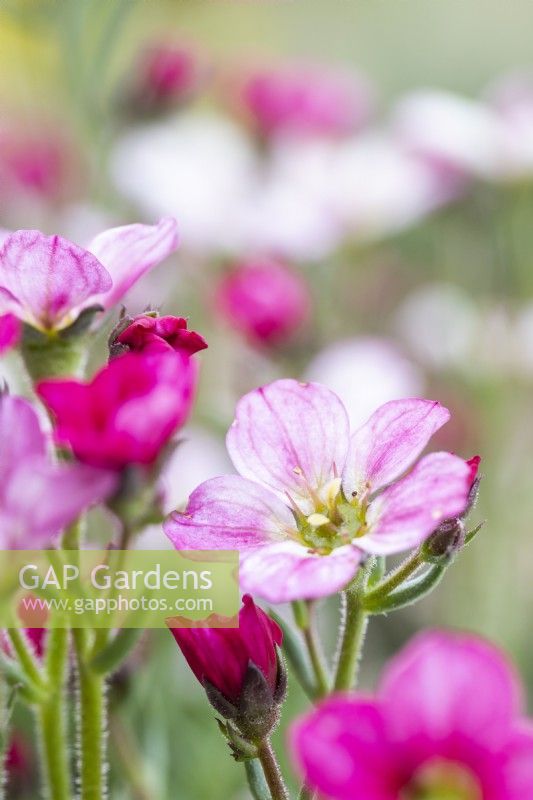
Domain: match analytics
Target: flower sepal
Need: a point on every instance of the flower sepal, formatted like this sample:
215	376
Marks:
255	713
53	354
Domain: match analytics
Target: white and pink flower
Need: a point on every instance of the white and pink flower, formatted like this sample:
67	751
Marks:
311	500
47	281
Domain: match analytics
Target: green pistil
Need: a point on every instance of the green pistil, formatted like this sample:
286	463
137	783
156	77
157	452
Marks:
443	780
333	524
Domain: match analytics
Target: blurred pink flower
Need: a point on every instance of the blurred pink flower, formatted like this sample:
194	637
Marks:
168	73
39	498
148	333
222	656
127	413
47	281
304	100
446	722
265	300
10	331
304	508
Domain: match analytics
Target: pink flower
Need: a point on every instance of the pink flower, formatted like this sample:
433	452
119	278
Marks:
46	281
264	300
445	723
39	498
148	333
10	330
127	413
221	656
168	74
305	101
311	500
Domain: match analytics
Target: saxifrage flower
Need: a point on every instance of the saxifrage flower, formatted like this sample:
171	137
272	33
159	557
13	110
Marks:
38	497
47	281
127	412
446	724
311	500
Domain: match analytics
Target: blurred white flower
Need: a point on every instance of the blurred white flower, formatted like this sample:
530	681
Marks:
439	323
198	168
459	133
365	373
378	187
512	99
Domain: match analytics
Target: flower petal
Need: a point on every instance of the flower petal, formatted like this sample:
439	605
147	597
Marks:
286	571
48	277
42	498
341	751
20	434
519	767
129	252
290	436
388	443
227	513
447	688
10	332
407	512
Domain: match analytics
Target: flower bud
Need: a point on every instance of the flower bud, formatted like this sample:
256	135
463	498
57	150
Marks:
149	333
240	668
264	300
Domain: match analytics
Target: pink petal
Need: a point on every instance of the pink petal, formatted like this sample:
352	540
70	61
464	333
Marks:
286	571
392	439
290	436
20	434
227	513
341	750
42	498
10	331
445	689
409	510
519	767
129	252
48	277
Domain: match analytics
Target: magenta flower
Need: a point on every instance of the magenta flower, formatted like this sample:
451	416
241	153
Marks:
46	281
221	656
39	498
168	74
127	412
10	331
305	101
445	724
148	333
264	300
311	500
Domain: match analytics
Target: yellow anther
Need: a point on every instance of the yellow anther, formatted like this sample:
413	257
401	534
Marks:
316	520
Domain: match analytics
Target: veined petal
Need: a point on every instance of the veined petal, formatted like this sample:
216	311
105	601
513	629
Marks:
407	512
129	252
445	688
342	751
21	436
44	278
286	571
227	513
390	441
290	436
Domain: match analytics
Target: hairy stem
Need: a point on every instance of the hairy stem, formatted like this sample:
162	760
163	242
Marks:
91	719
352	639
272	772
52	720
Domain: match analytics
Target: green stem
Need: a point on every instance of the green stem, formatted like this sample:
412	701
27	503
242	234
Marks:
409	593
395	578
91	722
52	721
353	636
317	659
306	793
26	657
256	779
272	772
